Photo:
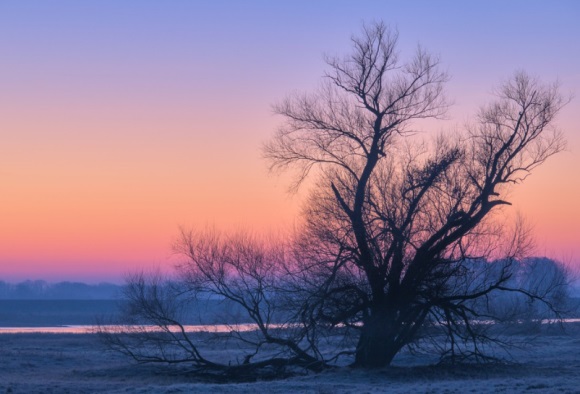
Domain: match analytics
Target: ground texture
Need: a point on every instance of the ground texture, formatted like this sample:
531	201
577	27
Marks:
69	363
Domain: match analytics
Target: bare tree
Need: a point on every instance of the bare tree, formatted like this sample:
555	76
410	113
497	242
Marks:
402	239
241	270
403	222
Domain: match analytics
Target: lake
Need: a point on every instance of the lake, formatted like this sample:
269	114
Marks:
29	314
81	316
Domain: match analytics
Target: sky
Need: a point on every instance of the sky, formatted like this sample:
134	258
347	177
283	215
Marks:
122	121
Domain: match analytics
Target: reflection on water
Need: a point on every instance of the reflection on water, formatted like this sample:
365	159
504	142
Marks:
218	328
89	329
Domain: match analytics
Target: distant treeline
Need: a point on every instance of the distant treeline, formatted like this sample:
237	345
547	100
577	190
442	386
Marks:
42	290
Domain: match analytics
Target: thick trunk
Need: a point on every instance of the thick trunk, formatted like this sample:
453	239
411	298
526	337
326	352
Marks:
378	345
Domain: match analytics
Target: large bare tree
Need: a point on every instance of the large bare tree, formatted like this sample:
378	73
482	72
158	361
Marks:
403	222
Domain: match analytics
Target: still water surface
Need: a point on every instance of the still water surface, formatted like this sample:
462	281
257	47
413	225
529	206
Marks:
93	329
81	317
216	328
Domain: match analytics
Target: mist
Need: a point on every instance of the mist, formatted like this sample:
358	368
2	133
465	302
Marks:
43	290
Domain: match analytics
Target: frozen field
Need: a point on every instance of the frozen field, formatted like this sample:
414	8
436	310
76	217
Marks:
78	363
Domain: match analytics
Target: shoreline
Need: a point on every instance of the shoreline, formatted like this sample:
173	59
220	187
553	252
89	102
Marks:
79	329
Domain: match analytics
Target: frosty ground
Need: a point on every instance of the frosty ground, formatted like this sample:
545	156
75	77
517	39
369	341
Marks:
77	363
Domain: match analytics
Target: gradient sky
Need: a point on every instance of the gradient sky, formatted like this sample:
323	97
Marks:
122	120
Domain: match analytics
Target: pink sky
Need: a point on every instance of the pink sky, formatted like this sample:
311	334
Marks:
120	122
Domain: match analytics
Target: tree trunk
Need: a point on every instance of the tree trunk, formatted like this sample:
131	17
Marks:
377	345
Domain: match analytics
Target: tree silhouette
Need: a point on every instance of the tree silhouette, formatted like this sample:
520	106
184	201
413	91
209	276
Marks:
401	221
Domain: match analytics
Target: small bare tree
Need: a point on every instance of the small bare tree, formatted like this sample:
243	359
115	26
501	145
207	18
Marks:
398	236
241	270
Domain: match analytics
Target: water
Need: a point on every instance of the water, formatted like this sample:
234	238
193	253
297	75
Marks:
47	313
81	316
91	329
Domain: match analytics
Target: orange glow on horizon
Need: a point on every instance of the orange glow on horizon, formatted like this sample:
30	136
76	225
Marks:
115	129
